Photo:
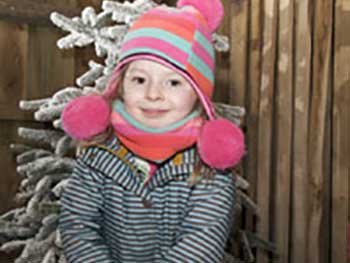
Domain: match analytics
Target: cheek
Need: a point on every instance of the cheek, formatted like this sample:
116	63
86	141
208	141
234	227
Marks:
130	97
186	102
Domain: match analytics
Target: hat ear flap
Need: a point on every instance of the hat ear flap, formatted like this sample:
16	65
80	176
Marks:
86	116
221	144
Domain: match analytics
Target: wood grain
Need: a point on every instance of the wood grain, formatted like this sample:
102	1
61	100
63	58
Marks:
252	101
317	130
222	72
266	109
32	12
341	138
13	68
238	52
303	40
283	120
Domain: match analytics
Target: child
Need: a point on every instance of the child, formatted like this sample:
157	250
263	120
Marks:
140	195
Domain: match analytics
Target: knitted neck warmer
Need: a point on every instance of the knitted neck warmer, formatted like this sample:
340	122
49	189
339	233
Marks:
154	144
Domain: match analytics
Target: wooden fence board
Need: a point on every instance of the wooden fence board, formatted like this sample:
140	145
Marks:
252	101
32	12
317	130
238	54
265	121
222	74
341	138
49	69
13	60
300	130
283	125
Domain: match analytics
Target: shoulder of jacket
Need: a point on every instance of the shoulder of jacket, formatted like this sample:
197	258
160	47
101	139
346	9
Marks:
95	151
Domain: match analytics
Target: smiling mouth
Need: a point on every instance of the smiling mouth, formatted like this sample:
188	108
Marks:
152	113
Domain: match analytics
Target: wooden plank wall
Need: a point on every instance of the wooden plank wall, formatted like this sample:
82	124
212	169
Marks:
289	66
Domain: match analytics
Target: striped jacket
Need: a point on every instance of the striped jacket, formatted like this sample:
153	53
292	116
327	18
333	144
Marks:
108	215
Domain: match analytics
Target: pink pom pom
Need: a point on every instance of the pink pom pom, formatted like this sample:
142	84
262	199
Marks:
212	10
85	117
221	144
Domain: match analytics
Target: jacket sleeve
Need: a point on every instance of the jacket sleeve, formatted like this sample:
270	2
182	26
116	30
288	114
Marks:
206	226
80	218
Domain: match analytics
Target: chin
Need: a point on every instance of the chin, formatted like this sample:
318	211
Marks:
155	125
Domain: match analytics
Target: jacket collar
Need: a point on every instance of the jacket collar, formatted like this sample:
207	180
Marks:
101	157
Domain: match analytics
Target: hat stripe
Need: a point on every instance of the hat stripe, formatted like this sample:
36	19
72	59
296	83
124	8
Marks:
156	52
161	35
185	20
197	62
164	33
200	38
155	22
205	85
156	44
174	16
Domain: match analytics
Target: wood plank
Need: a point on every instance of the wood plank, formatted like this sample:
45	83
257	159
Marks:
49	69
222	72
303	13
283	125
252	102
32	12
317	129
237	67
33	67
266	109
341	131
238	52
325	231
13	67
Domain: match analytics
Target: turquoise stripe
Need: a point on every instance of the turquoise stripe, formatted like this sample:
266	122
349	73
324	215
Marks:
161	34
198	36
134	51
118	106
196	62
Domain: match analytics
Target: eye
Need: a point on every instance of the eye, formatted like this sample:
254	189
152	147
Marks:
173	83
138	80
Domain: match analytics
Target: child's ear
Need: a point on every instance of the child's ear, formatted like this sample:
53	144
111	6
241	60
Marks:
86	116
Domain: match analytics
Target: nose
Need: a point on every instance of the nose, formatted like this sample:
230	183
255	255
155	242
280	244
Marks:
153	92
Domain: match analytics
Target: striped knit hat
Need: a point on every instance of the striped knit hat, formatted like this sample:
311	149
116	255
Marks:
181	39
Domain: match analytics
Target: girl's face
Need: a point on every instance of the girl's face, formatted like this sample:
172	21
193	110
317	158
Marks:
155	95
